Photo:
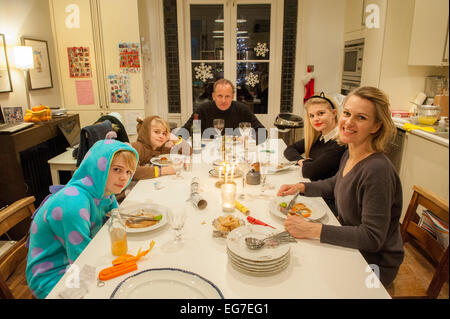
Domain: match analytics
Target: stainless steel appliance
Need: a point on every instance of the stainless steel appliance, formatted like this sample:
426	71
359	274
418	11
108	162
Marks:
290	127
353	60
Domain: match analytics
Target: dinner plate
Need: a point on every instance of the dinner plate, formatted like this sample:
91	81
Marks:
215	173
157	160
236	243
280	167
166	283
259	273
317	211
261	264
252	268
149	207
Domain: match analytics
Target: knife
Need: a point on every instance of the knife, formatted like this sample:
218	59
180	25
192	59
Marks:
156	218
291	203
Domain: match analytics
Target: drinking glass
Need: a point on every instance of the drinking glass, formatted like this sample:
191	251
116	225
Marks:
177	165
245	127
244	167
177	217
219	124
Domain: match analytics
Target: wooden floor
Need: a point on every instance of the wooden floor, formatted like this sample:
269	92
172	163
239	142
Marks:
414	276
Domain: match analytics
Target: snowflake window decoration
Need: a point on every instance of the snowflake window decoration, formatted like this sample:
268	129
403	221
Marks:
261	49
252	79
203	72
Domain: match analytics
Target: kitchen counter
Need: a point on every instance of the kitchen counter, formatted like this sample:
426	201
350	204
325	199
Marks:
429	136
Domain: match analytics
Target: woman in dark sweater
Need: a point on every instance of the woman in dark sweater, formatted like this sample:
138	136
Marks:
322	153
367	189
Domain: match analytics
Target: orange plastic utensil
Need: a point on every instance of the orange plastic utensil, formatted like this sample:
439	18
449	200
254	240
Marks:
127	257
117	270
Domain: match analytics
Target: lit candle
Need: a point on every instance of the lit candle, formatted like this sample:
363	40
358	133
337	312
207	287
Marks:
226	173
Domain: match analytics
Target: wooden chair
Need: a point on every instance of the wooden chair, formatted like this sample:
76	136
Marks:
13	283
424	256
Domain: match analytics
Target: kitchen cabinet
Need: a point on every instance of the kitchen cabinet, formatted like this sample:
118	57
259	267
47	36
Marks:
99	25
429	33
424	163
354	15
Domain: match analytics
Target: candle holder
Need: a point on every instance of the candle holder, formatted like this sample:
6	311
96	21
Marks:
228	192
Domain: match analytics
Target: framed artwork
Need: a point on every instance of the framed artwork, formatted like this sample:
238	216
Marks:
5	77
41	76
79	62
13	114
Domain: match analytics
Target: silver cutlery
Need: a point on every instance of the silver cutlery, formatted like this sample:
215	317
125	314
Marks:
291	203
274	240
139	218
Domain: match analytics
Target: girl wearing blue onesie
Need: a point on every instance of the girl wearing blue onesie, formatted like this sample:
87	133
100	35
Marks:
69	219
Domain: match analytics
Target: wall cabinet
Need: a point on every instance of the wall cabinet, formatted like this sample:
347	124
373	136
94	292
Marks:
99	25
429	33
354	15
424	163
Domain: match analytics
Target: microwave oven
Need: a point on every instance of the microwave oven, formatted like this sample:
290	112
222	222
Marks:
353	59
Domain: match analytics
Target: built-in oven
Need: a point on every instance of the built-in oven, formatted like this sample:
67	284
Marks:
353	58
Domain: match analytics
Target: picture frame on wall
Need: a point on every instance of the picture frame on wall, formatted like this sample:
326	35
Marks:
40	77
5	76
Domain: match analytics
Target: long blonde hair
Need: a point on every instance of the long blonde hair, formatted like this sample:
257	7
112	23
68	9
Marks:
382	114
311	135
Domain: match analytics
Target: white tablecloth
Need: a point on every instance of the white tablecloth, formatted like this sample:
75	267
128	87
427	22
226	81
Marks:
315	270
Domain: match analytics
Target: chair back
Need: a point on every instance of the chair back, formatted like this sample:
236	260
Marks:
9	217
429	246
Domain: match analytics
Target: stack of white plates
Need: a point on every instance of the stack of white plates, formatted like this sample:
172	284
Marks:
264	261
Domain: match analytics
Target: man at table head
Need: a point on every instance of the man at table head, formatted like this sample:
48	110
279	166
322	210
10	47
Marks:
224	107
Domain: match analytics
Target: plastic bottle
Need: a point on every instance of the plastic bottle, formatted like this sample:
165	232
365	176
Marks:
196	135
118	234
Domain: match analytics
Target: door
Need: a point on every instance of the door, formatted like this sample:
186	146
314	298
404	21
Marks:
234	40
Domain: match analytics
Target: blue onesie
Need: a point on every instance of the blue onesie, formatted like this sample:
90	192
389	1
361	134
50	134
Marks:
70	218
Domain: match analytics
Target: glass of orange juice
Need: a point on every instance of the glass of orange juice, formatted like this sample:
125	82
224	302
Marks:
118	234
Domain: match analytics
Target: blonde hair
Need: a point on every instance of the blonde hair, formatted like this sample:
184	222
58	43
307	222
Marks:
381	105
311	135
129	158
159	121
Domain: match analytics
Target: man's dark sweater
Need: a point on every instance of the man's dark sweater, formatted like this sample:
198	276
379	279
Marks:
369	205
236	113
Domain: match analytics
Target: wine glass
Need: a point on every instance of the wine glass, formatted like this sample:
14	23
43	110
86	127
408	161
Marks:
219	124
177	217
177	165
244	167
244	128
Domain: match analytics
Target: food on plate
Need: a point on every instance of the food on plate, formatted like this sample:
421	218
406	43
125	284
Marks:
226	224
164	160
135	222
297	209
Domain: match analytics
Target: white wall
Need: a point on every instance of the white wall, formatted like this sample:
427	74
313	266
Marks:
31	19
320	42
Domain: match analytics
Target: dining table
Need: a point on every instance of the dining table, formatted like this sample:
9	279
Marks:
315	270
